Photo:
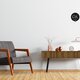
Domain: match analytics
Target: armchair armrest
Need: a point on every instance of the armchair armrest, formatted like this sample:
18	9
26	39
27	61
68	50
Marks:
7	52
26	50
3	50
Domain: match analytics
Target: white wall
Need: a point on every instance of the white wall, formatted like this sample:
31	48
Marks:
28	22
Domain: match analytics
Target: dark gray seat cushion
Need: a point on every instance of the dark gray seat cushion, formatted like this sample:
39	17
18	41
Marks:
4	61
21	60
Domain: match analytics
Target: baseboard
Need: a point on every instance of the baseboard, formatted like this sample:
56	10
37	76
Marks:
63	70
50	70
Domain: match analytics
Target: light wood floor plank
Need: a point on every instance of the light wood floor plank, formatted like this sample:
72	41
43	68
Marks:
40	75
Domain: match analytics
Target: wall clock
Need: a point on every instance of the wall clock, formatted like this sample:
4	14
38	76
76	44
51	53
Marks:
75	17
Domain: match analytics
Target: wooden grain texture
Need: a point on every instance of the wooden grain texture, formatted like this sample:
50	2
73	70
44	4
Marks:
40	75
62	54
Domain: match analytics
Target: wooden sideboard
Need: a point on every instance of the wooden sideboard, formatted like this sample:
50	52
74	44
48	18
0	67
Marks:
62	54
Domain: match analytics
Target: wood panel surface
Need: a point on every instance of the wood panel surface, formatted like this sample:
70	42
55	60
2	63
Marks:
62	54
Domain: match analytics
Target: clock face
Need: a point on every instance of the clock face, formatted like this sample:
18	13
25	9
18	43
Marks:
75	16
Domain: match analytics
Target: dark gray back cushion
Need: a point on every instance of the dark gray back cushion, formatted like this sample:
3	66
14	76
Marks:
7	45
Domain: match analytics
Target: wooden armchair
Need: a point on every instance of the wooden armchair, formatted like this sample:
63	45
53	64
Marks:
8	55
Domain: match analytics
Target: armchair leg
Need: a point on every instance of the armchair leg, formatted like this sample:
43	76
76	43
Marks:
11	69
12	66
31	67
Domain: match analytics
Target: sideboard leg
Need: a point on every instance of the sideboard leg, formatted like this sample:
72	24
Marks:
47	65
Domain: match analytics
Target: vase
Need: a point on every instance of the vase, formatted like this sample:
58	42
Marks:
49	46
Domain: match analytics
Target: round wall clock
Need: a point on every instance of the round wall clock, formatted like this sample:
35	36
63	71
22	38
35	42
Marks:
75	16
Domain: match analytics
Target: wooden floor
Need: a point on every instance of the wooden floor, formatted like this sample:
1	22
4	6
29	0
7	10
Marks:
40	75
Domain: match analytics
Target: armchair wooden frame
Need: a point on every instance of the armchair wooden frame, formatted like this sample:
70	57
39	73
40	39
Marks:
8	56
27	51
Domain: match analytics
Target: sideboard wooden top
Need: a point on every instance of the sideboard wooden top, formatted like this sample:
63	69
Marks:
62	54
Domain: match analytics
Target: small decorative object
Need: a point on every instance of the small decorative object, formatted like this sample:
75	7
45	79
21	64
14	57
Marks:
49	47
77	39
58	49
75	17
71	48
49	44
